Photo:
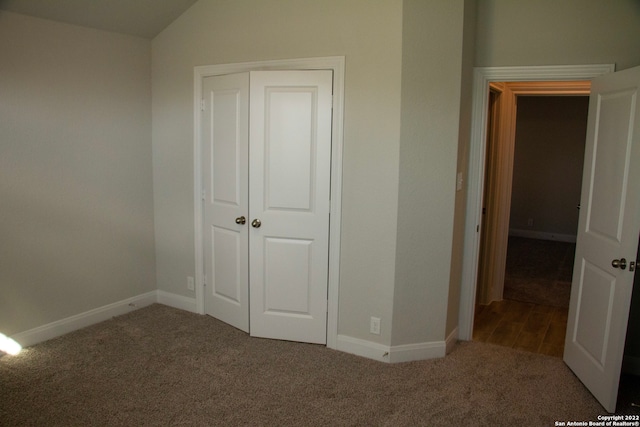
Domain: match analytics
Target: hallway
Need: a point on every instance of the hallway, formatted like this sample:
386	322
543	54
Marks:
533	315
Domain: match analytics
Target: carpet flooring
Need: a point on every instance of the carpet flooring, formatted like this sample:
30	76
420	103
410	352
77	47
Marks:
159	366
539	271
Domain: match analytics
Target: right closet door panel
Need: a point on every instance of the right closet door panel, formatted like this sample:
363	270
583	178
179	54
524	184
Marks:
289	191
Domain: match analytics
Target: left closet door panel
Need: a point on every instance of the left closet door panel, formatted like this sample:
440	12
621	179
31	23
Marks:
225	145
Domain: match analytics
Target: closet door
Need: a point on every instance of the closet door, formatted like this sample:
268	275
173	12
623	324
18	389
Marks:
289	181
225	144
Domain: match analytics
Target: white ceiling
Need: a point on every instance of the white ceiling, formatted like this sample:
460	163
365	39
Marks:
142	18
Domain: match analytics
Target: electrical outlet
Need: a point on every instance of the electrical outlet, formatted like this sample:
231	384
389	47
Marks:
191	283
374	327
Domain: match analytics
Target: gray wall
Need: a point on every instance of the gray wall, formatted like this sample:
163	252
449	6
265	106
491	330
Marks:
432	34
403	66
551	32
76	209
77	196
464	136
219	32
547	164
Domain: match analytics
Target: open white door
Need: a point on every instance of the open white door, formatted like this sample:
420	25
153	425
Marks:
608	232
225	145
290	169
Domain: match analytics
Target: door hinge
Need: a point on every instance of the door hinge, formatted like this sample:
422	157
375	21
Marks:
202	105
203	195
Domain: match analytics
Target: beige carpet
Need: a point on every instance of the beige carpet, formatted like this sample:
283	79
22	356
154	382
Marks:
159	366
539	271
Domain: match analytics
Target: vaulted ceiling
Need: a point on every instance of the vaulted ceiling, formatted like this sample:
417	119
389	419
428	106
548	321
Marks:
142	18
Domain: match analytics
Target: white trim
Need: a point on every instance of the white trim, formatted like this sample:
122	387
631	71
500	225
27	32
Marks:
337	65
419	351
397	353
177	301
543	235
363	348
481	79
82	320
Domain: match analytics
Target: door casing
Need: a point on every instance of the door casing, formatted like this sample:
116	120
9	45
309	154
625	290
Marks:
482	77
337	65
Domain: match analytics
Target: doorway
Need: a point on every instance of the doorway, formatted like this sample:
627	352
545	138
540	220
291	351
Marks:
476	173
611	87
532	235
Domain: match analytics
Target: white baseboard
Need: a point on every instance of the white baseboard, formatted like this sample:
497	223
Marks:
359	347
177	301
393	354
542	235
451	340
82	320
631	365
419	351
364	348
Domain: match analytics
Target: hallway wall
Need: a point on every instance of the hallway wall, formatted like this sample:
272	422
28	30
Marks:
547	165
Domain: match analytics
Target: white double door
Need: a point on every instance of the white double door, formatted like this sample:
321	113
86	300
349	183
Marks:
266	150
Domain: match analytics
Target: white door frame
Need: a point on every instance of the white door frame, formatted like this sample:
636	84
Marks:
481	78
337	65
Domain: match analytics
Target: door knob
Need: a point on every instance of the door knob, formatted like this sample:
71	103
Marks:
241	220
619	263
256	223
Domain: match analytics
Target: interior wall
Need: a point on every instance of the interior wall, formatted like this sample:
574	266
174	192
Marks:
432	42
547	165
221	32
548	32
575	32
76	221
464	137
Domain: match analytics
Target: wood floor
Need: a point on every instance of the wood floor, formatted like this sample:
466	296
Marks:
525	326
533	315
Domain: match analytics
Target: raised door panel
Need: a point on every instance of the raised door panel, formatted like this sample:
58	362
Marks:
290	135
